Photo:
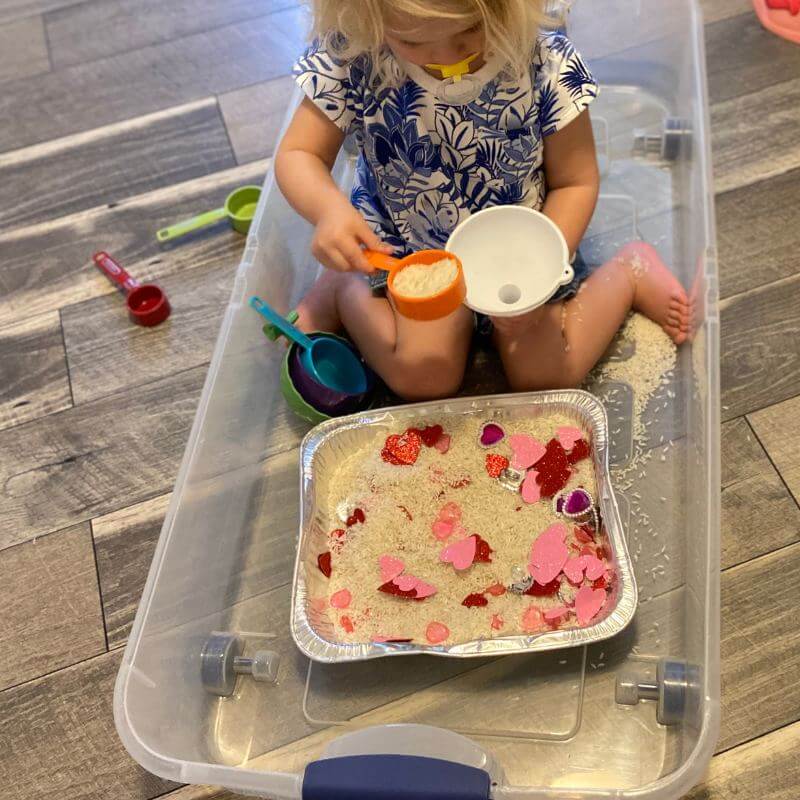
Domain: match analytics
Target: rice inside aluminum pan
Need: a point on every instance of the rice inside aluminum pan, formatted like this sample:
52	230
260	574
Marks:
327	444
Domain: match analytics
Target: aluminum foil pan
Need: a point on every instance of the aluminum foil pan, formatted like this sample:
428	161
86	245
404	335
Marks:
323	447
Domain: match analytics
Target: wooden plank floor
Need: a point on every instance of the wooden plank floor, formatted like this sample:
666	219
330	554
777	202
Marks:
119	116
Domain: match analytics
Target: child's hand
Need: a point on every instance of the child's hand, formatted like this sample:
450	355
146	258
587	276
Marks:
340	232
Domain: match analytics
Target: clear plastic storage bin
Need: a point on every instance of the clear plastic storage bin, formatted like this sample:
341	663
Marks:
563	724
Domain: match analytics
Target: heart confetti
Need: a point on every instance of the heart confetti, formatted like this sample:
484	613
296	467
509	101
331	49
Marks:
546	590
324	563
436	632
491	434
526	450
406	583
390	567
460	554
447	522
424	590
579	451
402	450
548	554
347	624
568	436
476	600
496	590
443	443
341	599
583	534
483	553
429	435
556	613
496	464
553	469
531	491
532	620
356	517
588	603
497	622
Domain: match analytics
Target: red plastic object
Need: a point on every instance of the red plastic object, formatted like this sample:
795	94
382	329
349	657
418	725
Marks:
781	17
147	303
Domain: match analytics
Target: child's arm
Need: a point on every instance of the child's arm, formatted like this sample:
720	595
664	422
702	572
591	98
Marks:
303	166
573	179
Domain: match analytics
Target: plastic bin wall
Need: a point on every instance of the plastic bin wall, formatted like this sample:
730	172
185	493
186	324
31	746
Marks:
225	556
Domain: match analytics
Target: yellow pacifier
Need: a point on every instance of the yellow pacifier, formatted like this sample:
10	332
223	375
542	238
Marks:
454	71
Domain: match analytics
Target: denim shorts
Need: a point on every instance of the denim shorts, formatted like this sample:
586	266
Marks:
483	325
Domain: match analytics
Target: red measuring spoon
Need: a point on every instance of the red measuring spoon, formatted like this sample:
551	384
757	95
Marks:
147	303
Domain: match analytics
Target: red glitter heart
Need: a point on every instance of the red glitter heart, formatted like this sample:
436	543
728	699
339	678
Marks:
324	563
548	590
483	553
402	450
356	517
552	469
495	464
474	601
600	583
429	435
580	450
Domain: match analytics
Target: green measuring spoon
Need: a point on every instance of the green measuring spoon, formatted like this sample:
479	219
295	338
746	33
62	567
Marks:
239	208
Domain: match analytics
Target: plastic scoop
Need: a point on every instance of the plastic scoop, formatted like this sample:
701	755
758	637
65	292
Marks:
330	361
147	303
455	71
514	259
240	208
426	308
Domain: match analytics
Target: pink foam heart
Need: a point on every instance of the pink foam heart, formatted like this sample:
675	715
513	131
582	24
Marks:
573	569
390	567
443	443
548	554
556	613
532	620
568	436
588	603
526	450
531	491
424	589
442	529
595	568
460	554
341	599
405	583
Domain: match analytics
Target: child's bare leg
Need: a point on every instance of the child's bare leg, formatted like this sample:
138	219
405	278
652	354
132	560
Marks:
317	310
417	360
567	339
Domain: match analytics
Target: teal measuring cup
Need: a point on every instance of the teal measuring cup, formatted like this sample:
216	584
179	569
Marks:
329	361
240	208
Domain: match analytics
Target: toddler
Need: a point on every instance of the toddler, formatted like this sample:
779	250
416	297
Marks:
455	106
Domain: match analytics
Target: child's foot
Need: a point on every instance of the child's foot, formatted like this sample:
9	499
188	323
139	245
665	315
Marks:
317	309
658	293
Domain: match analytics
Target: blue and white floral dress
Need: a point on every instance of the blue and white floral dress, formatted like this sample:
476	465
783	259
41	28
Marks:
426	162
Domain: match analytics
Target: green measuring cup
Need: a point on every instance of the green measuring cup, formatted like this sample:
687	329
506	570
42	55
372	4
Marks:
239	208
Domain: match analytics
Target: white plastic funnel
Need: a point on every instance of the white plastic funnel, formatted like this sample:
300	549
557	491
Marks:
514	259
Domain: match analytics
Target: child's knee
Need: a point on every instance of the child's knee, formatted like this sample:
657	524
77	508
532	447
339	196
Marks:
431	380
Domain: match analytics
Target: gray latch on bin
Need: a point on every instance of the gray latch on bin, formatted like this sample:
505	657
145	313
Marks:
666	146
673	685
221	662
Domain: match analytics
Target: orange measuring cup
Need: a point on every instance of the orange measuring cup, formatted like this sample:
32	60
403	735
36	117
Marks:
430	307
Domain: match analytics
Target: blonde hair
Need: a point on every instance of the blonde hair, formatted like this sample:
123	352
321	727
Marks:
350	28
